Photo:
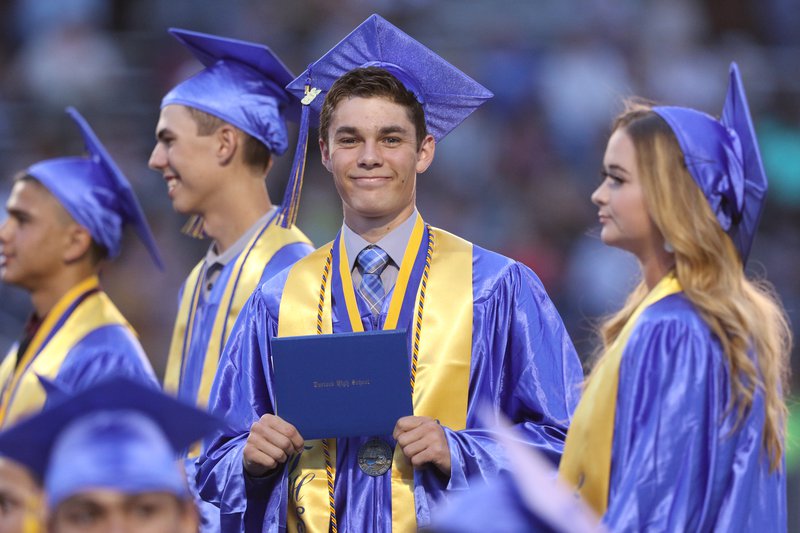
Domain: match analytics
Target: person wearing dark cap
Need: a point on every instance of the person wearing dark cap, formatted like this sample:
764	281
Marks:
481	327
216	136
682	424
65	217
106	458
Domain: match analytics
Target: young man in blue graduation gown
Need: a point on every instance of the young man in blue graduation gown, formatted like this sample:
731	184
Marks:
481	328
106	459
216	136
65	216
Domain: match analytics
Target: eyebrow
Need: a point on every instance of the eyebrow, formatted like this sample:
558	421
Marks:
162	133
17	213
618	168
386	130
393	129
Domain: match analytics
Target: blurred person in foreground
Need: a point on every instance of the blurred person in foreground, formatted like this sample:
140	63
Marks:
21	509
681	426
216	136
65	218
106	459
480	327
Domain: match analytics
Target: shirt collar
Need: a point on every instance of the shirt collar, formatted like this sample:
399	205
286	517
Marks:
212	257
393	243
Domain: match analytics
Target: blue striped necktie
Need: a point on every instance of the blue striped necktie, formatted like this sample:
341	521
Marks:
372	260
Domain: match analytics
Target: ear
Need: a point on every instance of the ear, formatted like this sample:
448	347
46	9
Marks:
78	242
425	154
228	142
325	153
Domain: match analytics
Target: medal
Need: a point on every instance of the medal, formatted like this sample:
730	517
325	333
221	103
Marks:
375	457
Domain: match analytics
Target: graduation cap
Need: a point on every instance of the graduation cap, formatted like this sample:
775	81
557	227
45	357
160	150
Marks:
95	192
242	84
118	435
723	158
448	96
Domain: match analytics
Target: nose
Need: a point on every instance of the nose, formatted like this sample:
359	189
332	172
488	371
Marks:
4	230
158	158
370	156
599	195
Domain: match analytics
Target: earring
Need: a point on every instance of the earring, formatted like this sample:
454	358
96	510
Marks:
668	247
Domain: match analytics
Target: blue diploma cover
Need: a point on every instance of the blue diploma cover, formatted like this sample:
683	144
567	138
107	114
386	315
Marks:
343	384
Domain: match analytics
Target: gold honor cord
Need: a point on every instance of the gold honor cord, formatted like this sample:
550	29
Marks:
24	394
443	361
586	462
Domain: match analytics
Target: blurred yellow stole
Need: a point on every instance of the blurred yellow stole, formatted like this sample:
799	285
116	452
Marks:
445	350
22	393
244	279
586	462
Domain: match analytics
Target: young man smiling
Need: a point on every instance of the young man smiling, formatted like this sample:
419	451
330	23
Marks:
216	136
481	329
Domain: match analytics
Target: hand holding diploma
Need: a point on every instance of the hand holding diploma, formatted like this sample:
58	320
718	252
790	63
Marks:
271	442
423	441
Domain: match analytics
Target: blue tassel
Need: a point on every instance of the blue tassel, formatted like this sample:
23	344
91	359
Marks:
291	198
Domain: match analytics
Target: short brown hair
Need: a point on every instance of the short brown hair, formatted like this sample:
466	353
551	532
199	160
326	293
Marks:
372	82
254	153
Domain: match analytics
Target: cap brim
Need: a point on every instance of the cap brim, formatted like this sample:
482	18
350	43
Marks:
31	441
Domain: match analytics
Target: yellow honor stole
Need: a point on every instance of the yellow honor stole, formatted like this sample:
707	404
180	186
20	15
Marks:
443	346
244	279
22	393
586	462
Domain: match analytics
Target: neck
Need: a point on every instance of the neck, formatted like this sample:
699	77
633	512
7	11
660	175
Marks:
236	209
655	266
374	229
50	291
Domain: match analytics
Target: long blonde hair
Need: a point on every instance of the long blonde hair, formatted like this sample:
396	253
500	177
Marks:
745	315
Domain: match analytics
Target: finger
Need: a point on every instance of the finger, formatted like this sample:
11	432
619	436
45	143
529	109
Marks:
408	423
428	425
256	462
279	432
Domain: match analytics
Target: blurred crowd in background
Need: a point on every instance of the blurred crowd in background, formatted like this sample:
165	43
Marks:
515	177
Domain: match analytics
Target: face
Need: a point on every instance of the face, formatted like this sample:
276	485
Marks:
185	159
620	199
372	153
109	511
35	236
19	499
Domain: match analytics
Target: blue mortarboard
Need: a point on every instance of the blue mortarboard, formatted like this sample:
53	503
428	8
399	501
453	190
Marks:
243	84
448	96
95	192
724	160
118	435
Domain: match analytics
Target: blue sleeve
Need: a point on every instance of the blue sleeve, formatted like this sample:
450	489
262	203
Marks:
105	352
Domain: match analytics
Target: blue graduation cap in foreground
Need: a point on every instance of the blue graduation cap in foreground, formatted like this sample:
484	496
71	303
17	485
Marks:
118	435
723	158
242	83
95	192
448	96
